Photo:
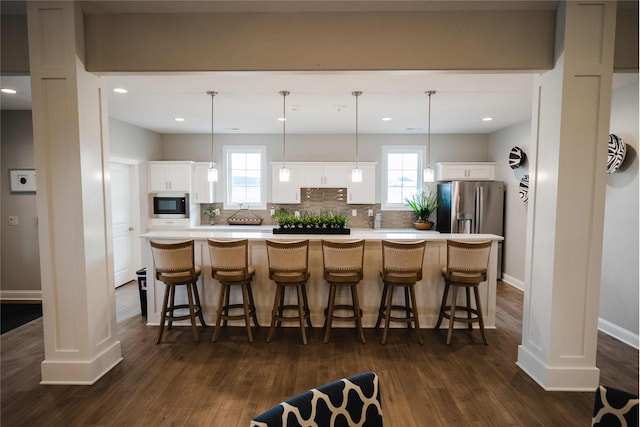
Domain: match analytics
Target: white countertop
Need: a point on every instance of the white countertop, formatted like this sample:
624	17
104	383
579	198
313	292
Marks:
262	232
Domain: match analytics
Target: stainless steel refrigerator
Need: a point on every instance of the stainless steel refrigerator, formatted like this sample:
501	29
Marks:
475	207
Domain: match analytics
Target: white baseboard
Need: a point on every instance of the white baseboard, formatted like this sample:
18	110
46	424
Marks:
618	333
512	281
25	296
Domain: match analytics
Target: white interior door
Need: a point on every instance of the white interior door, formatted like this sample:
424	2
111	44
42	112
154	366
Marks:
122	222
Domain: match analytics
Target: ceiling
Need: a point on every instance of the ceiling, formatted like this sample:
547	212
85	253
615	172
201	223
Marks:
319	102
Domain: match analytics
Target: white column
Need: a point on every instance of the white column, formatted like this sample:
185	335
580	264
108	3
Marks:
70	124
566	202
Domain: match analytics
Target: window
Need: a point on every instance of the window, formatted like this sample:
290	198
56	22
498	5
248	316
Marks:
402	175
245	172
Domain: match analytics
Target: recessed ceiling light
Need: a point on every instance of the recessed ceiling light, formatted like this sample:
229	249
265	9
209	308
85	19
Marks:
487	119
281	119
179	119
120	90
7	90
386	119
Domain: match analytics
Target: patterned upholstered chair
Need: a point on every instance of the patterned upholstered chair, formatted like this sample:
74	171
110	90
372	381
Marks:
614	407
346	402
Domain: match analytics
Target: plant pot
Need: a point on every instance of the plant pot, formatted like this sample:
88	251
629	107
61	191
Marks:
423	225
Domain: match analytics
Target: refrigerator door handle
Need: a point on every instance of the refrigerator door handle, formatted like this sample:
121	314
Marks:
478	208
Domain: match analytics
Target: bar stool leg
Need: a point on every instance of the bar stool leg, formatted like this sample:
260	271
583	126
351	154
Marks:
252	306
356	309
415	314
172	298
223	291
329	317
163	315
387	317
383	300
407	306
468	291
274	313
442	305
194	328
301	313
305	305
480	319
198	305
280	309
245	306
452	313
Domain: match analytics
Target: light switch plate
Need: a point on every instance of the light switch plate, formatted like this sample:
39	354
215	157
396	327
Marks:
14	220
354	212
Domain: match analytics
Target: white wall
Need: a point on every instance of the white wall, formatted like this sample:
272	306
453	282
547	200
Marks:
515	221
20	259
619	287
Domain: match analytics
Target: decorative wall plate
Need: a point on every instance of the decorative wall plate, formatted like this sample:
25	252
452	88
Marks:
524	189
517	157
616	153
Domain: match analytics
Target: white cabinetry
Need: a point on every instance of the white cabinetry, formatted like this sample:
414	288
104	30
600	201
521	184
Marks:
469	171
363	193
323	175
169	176
285	192
201	188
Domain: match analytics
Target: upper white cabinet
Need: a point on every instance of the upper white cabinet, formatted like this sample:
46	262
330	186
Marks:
362	193
469	171
201	188
323	175
285	192
169	176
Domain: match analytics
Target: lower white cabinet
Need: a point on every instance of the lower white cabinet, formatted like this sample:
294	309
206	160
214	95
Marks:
285	192
465	171
169	222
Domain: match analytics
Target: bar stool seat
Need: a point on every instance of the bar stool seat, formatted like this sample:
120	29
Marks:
467	265
401	268
230	266
343	267
174	266
289	268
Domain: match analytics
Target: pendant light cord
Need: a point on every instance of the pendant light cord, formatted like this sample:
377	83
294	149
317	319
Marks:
429	93
212	93
356	93
284	94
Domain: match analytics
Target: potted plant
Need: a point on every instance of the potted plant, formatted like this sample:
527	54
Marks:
310	223
424	203
211	214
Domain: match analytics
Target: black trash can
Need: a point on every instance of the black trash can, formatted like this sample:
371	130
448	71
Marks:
142	288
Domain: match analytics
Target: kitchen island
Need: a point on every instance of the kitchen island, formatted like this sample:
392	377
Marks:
428	291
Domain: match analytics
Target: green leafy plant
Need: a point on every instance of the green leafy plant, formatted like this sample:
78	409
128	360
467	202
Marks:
424	203
324	219
211	213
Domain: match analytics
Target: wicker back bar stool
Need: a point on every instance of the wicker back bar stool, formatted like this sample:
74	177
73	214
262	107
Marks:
230	266
289	268
467	265
343	263
401	268
174	265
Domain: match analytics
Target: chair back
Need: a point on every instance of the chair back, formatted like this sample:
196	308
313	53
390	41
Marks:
288	257
403	259
343	257
173	259
229	256
468	261
349	401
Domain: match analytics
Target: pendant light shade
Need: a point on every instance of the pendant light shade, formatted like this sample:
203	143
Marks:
284	174
356	174
428	175
212	172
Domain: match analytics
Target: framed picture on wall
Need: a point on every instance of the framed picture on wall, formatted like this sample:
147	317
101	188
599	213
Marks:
23	180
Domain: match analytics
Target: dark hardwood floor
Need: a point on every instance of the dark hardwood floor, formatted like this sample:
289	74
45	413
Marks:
224	384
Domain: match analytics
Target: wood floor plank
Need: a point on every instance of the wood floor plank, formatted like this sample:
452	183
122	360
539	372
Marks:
183	383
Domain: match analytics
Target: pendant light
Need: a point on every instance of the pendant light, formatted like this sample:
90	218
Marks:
356	174
212	172
428	174
284	171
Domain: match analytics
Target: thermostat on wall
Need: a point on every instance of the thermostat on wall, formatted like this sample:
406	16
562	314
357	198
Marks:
23	180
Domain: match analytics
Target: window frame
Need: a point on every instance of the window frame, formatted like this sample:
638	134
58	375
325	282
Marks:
396	149
228	172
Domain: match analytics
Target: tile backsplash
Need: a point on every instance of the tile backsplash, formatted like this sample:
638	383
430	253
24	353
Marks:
322	199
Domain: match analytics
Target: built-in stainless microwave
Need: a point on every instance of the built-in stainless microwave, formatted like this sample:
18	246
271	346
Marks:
170	206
